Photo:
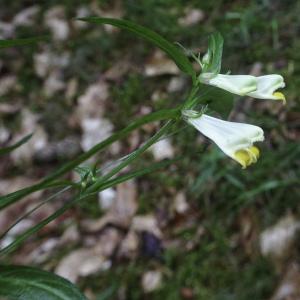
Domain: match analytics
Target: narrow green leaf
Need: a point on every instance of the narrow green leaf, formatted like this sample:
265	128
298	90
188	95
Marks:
96	188
11	198
8	149
32	210
20	282
21	42
174	53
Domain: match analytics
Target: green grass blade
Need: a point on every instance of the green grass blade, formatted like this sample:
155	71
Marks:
21	42
8	149
170	49
13	197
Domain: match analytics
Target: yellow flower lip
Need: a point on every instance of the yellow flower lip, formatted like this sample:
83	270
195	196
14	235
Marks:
247	156
279	96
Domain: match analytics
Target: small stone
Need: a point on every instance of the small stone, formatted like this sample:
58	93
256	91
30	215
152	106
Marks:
71	89
7	30
4	135
180	203
55	20
146	223
176	84
81	12
47	61
95	130
7	84
289	287
54	83
129	245
26	17
81	262
192	17
37	142
160	64
277	240
92	102
107	198
162	150
151	281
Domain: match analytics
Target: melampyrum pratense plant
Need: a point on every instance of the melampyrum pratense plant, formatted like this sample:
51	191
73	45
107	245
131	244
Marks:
236	140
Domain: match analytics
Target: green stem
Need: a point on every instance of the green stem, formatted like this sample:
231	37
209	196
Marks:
156	116
65	207
144	147
131	157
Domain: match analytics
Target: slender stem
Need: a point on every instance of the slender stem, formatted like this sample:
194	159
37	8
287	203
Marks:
160	115
78	198
192	96
132	156
144	147
104	182
27	214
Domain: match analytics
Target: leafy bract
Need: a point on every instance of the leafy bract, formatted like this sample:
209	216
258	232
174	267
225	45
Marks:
212	60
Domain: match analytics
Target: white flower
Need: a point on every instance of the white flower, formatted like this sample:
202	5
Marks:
267	86
262	87
236	84
234	139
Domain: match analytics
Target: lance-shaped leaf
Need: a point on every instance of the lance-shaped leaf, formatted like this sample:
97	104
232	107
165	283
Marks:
171	50
20	282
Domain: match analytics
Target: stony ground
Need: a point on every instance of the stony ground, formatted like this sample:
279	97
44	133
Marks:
200	229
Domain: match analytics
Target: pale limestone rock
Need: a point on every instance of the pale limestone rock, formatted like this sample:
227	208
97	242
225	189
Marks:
151	281
162	150
277	240
56	21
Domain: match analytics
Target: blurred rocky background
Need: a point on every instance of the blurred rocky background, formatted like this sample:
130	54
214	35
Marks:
201	228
